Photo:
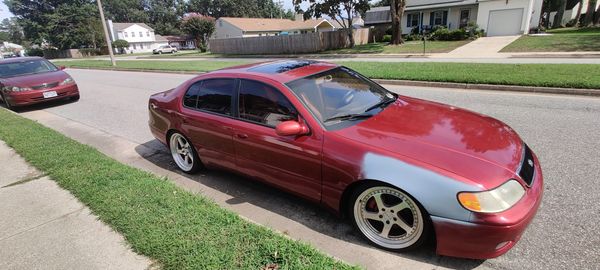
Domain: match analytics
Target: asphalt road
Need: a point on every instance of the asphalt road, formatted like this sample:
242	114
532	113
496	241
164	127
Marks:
564	131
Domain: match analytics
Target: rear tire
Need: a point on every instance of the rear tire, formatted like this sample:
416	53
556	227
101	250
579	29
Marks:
7	104
183	153
388	217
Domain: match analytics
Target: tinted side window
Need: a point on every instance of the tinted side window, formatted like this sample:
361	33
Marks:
264	104
191	96
215	95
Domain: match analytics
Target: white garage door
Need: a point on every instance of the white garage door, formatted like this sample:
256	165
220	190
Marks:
505	22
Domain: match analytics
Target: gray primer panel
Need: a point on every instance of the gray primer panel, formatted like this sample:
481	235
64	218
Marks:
437	193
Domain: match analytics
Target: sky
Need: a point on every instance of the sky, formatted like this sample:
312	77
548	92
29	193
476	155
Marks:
4	13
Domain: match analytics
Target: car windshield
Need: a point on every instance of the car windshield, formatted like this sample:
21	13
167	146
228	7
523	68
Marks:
26	67
340	95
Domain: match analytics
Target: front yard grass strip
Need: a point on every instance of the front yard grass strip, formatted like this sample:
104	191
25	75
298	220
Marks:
586	76
561	40
540	75
177	229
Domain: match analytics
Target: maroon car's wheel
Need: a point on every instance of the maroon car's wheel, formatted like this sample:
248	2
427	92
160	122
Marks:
183	153
6	103
389	218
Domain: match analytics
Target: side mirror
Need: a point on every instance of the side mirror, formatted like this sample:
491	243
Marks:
291	128
61	67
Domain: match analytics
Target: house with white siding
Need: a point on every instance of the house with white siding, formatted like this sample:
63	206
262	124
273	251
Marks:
495	17
228	27
140	36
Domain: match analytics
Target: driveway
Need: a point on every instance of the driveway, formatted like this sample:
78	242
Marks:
484	47
563	130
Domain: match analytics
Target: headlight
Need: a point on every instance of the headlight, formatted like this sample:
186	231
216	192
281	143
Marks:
67	81
493	201
15	89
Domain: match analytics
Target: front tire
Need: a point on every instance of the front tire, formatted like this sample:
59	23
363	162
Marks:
6	103
184	154
388	217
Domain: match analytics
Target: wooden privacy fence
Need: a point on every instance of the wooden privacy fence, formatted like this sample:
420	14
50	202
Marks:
289	44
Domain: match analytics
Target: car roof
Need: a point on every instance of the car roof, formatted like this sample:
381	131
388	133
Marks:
20	59
283	70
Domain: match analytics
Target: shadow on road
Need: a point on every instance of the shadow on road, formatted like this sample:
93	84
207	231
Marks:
40	106
246	190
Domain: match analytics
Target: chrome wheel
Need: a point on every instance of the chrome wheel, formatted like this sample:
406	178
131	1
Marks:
182	152
388	217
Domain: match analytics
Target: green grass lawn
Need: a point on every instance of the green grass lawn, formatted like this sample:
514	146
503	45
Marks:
561	40
410	47
550	75
175	228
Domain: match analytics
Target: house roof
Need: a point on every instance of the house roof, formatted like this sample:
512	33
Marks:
123	26
160	38
261	24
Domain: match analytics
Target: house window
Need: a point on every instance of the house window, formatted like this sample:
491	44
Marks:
412	20
125	34
132	34
142	46
438	17
465	15
141	35
147	33
134	47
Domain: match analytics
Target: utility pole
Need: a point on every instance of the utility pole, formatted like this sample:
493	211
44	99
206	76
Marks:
106	36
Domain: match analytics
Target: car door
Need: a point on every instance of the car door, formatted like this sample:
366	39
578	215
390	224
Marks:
290	162
207	120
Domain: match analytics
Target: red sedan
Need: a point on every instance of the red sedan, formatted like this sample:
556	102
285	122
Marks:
31	80
402	169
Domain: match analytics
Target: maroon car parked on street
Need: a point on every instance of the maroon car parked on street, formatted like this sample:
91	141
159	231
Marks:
402	169
31	80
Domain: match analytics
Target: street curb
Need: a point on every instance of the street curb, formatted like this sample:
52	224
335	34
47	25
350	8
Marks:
491	87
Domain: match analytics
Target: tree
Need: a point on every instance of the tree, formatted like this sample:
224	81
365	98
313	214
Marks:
74	26
579	9
236	8
562	5
125	11
382	3
61	23
11	31
120	44
589	14
342	11
199	27
397	11
165	15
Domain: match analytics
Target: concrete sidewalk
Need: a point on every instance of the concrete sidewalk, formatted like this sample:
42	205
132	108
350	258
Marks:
43	226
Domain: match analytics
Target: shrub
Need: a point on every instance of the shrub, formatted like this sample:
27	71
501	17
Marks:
90	52
35	52
387	38
444	34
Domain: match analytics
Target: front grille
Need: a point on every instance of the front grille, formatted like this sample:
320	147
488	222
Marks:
44	86
527	169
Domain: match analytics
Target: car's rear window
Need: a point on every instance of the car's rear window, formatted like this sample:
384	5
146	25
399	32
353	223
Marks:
26	67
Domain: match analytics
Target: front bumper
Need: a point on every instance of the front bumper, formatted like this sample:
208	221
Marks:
489	235
37	96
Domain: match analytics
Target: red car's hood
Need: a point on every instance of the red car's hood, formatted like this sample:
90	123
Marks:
35	79
450	138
